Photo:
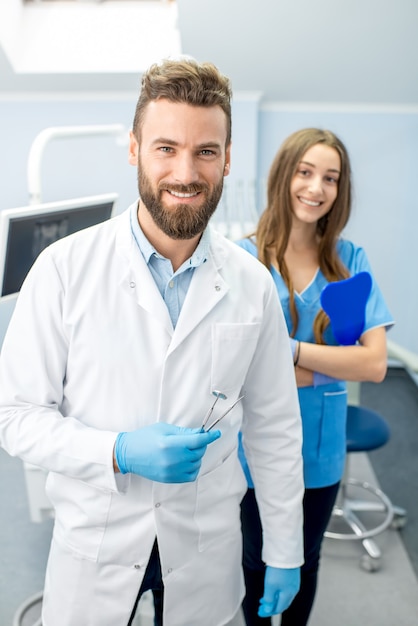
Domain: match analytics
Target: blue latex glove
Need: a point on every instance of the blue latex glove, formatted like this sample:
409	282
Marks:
345	302
322	379
163	452
280	587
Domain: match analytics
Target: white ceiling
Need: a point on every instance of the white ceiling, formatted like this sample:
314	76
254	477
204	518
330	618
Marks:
83	45
334	51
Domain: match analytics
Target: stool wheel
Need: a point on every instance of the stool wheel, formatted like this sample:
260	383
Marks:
399	521
370	564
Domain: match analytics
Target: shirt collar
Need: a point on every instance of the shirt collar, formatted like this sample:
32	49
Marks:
145	247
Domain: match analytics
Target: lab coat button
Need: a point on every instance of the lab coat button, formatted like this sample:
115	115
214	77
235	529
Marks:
170	569
171	284
137	566
158	505
132	285
217	287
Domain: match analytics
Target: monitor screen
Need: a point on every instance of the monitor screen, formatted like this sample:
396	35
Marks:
26	231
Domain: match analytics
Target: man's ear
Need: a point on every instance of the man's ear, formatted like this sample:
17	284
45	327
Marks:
227	166
133	149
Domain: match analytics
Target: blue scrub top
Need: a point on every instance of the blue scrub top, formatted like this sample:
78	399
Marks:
324	408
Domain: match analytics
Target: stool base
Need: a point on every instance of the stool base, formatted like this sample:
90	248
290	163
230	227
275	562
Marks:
346	512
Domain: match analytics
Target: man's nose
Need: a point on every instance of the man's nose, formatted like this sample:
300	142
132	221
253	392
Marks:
185	170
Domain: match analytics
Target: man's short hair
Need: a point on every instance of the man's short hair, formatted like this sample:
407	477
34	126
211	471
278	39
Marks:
184	81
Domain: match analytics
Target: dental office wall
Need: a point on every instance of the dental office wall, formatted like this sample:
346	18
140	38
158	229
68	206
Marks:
382	143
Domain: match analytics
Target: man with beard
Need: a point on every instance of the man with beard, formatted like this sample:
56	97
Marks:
128	342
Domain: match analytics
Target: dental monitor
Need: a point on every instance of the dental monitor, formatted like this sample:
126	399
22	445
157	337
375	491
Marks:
26	231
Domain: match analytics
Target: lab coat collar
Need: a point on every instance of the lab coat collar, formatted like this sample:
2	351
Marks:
206	290
136	279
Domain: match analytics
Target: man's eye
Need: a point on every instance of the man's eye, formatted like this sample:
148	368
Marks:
207	152
165	149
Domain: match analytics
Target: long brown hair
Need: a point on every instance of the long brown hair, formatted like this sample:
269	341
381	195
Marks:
273	229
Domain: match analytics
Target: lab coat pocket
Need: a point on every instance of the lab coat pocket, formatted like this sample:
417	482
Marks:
219	494
333	425
81	513
233	348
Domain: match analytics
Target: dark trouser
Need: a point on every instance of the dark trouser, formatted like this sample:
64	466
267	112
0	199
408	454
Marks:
152	580
317	509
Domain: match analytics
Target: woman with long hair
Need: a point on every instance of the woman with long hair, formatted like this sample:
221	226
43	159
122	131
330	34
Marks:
298	237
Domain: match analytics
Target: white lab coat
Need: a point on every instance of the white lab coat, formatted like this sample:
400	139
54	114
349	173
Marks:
91	351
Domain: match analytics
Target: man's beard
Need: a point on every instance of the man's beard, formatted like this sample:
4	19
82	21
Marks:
184	221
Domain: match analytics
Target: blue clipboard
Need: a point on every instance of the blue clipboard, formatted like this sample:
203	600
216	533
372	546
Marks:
344	302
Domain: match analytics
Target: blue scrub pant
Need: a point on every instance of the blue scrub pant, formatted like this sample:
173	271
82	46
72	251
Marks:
317	509
152	580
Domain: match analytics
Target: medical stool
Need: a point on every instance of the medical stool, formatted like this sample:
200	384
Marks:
366	430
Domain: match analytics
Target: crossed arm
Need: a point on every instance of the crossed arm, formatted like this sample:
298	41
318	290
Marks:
366	360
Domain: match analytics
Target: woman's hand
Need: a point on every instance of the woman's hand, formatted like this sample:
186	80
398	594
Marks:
304	377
